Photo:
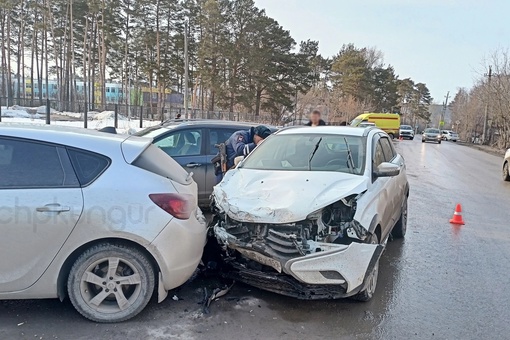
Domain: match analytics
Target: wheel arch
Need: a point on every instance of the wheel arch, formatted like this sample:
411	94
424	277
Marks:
65	269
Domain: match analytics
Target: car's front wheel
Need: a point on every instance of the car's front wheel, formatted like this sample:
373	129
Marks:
506	172
111	282
400	228
371	281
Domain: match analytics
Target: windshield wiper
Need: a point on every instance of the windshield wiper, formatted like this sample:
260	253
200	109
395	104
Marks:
350	161
313	154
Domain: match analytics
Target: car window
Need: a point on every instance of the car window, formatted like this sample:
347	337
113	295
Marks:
88	165
182	143
387	148
378	155
217	136
28	164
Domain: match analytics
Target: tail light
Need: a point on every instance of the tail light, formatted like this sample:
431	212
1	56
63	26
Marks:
178	205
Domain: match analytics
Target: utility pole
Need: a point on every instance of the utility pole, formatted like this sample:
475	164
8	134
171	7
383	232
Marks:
445	105
186	72
486	117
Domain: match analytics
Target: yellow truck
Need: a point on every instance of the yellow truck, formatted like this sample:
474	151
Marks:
388	122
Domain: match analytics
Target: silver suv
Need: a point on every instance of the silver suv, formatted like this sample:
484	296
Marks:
316	209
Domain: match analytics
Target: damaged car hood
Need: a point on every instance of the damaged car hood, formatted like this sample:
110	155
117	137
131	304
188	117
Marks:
264	196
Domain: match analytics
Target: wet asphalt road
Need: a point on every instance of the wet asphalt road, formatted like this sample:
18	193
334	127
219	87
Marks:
441	282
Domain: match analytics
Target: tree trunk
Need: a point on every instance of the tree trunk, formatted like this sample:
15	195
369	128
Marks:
3	64
9	77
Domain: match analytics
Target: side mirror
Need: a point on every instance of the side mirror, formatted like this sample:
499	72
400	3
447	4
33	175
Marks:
387	169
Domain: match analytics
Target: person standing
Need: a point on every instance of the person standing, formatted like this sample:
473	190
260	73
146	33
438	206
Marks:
315	119
240	144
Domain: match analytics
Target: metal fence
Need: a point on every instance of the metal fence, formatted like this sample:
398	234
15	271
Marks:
54	111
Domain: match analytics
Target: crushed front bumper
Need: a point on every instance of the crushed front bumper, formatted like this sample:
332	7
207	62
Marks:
335	272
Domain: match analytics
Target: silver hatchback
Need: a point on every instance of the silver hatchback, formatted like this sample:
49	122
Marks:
99	217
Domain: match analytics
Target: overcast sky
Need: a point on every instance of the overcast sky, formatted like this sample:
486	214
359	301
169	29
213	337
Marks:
438	42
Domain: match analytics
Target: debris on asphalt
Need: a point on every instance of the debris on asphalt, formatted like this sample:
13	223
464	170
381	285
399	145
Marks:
175	298
216	293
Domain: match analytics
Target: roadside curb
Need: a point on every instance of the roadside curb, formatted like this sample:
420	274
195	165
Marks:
486	149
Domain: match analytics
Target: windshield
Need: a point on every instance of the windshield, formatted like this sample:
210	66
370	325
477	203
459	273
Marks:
405	127
309	153
431	131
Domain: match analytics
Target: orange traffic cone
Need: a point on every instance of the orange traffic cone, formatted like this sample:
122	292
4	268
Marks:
457	216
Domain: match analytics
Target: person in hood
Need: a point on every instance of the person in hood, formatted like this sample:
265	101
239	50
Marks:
315	119
241	143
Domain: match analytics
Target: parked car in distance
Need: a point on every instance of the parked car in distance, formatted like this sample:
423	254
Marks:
449	135
191	143
316	209
388	122
431	135
406	131
506	166
99	217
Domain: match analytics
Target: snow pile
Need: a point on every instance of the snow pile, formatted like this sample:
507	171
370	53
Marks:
107	115
16	112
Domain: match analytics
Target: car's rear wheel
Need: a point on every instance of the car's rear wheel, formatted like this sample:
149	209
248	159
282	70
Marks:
438	142
371	281
392	136
111	283
400	228
506	173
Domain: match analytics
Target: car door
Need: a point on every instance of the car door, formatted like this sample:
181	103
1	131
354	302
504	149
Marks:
40	204
216	135
381	188
394	186
186	147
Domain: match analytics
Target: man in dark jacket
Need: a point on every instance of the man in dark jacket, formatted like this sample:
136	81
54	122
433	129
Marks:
241	143
315	119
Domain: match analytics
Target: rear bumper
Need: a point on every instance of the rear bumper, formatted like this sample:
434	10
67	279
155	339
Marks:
179	247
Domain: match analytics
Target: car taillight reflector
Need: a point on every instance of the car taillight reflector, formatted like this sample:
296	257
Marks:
178	205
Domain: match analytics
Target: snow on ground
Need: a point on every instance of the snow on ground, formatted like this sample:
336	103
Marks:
97	120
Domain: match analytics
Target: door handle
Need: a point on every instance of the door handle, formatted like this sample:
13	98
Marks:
52	208
193	165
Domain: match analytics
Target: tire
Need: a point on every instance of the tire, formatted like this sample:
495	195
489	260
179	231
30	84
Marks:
122	271
506	172
400	228
392	136
371	281
438	142
423	140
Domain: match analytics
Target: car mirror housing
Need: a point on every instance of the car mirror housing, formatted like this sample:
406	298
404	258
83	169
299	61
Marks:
387	169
